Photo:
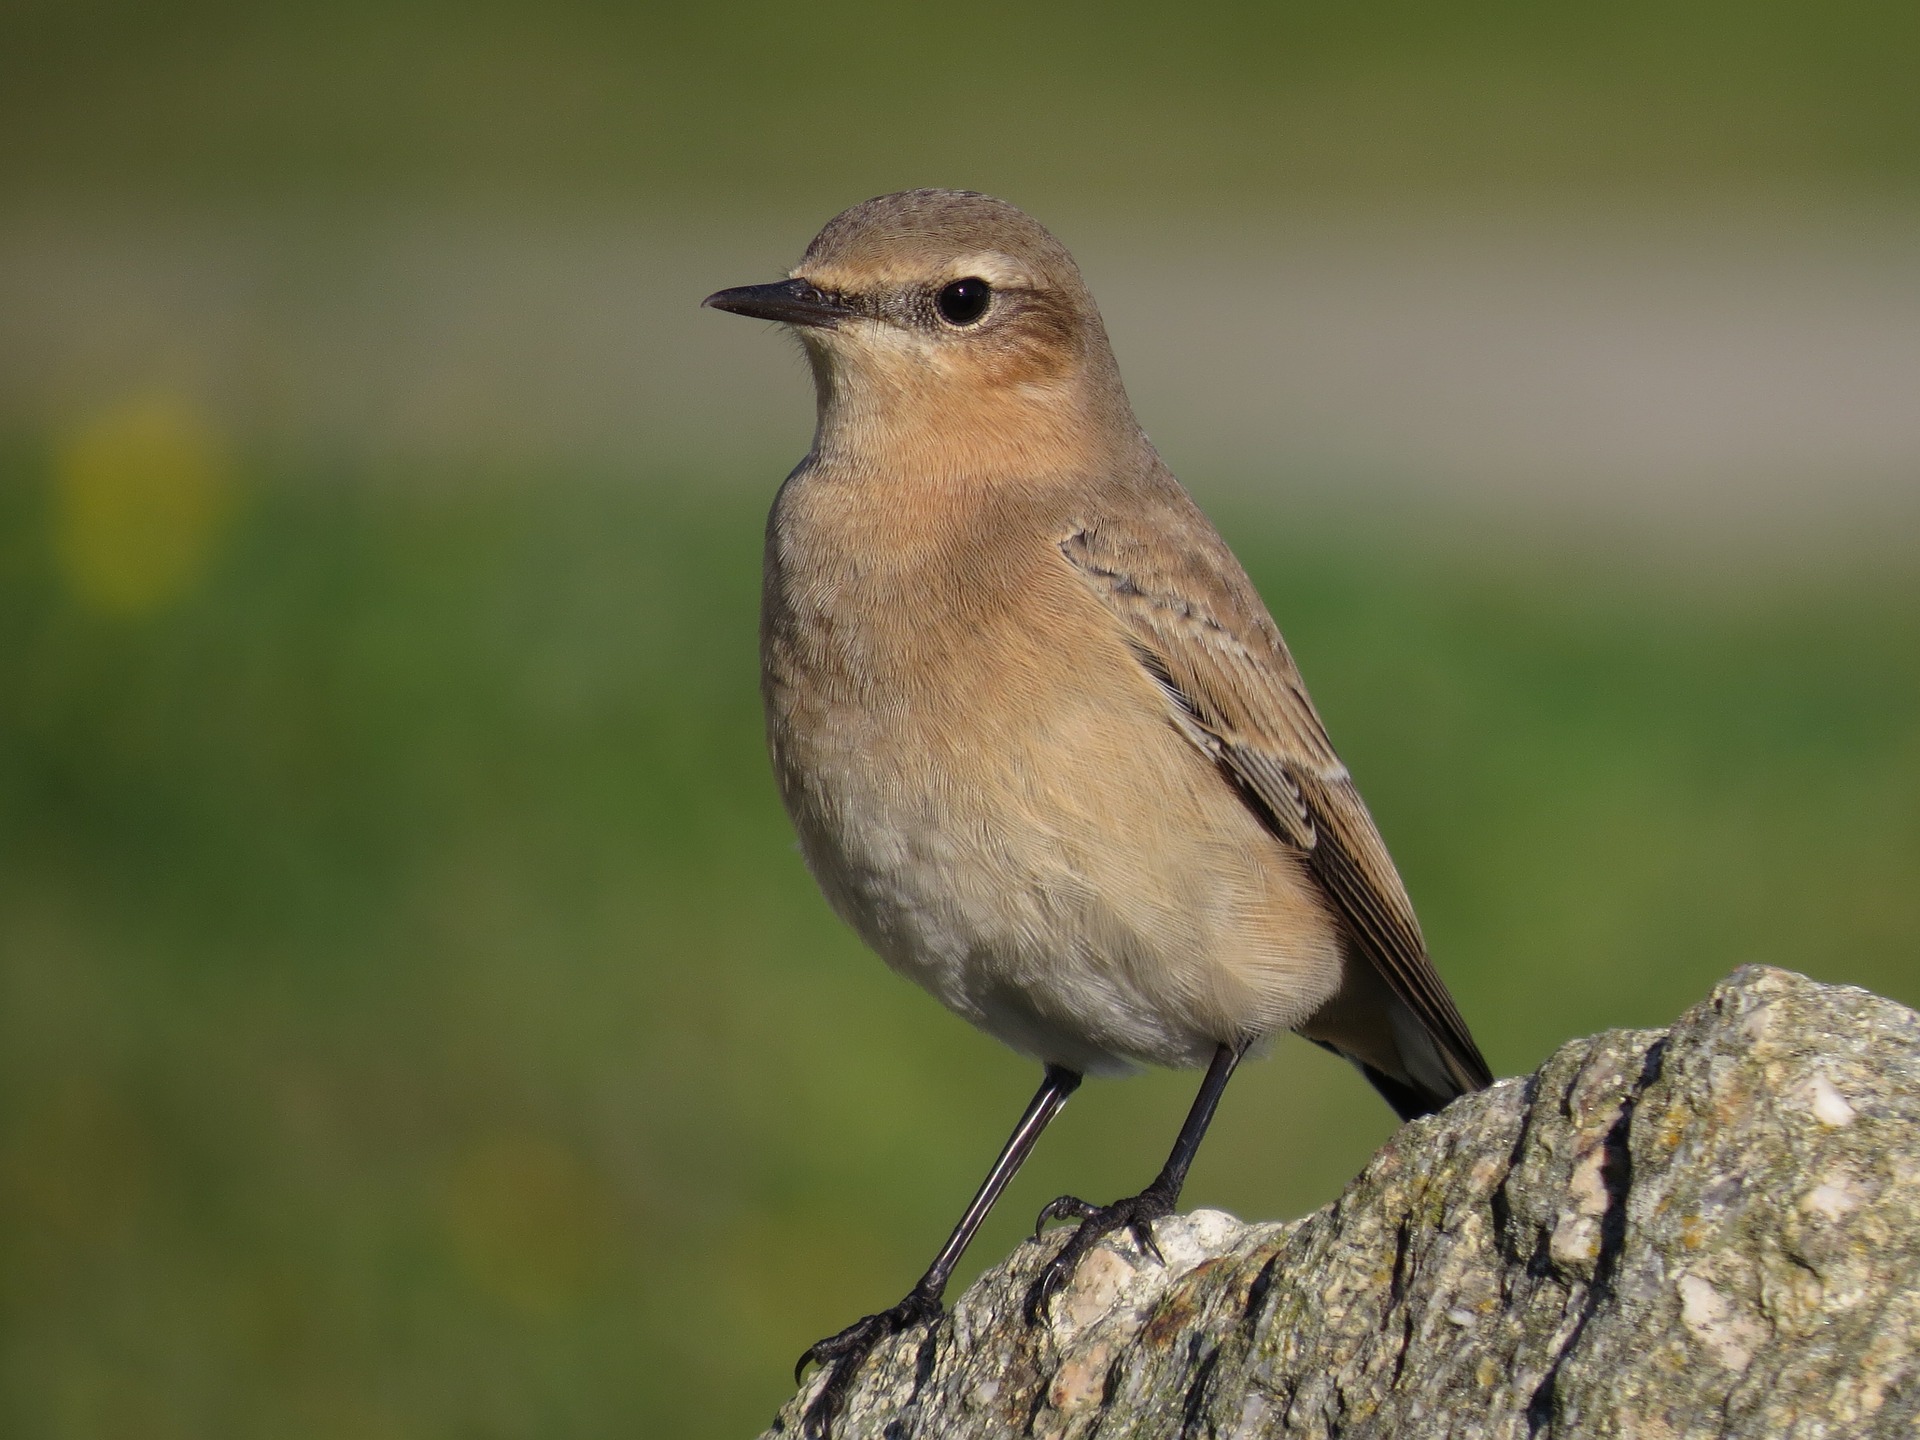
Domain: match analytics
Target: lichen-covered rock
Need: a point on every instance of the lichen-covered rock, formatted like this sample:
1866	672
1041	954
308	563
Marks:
1708	1231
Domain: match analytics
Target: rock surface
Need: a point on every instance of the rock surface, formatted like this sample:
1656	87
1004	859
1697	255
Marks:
1712	1230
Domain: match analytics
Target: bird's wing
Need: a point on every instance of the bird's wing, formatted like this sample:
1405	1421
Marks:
1195	622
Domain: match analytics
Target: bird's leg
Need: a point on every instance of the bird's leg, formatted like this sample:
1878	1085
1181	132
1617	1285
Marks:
842	1355
1135	1213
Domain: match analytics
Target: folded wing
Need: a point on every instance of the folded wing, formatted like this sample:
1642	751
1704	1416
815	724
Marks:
1195	623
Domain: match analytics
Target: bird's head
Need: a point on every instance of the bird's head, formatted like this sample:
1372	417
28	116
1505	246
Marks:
942	312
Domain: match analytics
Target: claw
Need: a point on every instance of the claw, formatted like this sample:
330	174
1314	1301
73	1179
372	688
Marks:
1135	1214
1053	1277
1063	1207
842	1356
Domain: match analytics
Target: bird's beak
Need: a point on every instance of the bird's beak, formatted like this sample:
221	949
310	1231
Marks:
792	302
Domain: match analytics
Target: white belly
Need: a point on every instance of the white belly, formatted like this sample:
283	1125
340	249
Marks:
1027	883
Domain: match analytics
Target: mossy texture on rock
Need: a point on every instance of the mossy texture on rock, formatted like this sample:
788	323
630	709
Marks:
1712	1230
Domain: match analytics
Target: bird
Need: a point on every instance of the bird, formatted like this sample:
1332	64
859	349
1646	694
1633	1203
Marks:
1044	748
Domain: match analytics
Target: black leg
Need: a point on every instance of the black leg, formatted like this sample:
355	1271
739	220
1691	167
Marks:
1136	1212
845	1353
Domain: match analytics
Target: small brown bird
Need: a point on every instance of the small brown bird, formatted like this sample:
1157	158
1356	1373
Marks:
1045	750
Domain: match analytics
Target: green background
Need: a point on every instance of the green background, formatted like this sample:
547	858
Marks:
1139	99
415	1019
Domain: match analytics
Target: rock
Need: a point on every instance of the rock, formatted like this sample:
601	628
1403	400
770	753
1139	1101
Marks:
1704	1231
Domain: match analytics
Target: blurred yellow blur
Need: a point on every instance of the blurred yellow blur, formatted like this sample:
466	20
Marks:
144	492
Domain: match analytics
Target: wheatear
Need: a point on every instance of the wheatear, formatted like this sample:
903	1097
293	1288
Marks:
1046	751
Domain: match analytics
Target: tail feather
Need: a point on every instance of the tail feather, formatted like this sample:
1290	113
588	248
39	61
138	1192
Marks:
1409	1102
1371	1027
1409	1099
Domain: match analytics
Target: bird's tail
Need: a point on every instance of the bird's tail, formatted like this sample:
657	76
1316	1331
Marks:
1410	1100
1378	1033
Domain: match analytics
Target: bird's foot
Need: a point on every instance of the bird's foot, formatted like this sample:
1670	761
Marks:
842	1356
1135	1214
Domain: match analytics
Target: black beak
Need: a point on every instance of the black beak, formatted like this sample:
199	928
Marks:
792	302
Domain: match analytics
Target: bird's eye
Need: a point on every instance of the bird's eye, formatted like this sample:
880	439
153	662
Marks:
964	301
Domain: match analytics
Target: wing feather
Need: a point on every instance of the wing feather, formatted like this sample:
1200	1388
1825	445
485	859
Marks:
1198	627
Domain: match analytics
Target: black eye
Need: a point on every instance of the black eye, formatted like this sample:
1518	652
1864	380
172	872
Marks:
964	301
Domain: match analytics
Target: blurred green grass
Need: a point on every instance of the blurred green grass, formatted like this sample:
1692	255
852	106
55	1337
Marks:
1250	104
417	1021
